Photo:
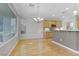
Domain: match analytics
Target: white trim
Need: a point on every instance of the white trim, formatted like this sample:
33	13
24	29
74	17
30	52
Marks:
12	9
12	48
65	47
4	43
30	38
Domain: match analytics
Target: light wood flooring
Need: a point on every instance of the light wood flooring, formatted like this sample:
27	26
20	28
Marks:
40	47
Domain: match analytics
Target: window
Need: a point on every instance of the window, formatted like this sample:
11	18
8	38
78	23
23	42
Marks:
8	24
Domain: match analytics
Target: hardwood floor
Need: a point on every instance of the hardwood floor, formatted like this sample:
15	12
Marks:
40	47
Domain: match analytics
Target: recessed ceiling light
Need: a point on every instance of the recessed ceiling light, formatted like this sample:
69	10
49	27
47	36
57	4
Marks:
63	17
66	8
75	12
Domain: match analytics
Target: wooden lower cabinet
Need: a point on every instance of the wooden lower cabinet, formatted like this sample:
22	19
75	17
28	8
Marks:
48	35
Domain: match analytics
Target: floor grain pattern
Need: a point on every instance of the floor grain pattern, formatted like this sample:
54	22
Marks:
40	47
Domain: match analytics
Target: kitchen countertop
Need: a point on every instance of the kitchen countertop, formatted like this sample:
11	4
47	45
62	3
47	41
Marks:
63	30
68	30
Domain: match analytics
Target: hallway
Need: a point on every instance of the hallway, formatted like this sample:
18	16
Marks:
39	47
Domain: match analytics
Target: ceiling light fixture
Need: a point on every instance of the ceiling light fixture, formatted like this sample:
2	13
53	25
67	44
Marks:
63	17
35	19
75	12
38	19
66	8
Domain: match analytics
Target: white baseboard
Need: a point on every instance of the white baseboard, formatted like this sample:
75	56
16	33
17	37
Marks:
13	48
65	47
30	38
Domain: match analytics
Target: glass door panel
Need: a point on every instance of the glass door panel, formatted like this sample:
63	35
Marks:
1	29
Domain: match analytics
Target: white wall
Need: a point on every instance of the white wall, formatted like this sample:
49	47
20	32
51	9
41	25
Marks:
8	46
33	29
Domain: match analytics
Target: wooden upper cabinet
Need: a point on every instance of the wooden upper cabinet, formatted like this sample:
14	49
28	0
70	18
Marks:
58	24
45	24
78	22
48	23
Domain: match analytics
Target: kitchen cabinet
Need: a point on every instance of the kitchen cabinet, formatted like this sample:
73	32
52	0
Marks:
58	23
47	24
78	22
48	35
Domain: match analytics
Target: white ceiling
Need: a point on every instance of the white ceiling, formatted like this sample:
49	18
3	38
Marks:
45	10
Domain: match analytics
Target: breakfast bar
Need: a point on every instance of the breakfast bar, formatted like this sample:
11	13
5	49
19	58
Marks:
68	38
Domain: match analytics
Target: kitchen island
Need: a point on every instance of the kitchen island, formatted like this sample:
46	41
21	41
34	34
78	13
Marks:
68	38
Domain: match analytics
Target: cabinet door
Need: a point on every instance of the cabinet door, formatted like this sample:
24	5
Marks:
48	35
52	22
48	23
45	24
78	23
58	24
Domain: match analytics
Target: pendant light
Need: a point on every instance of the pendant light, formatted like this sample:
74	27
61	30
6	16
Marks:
38	18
